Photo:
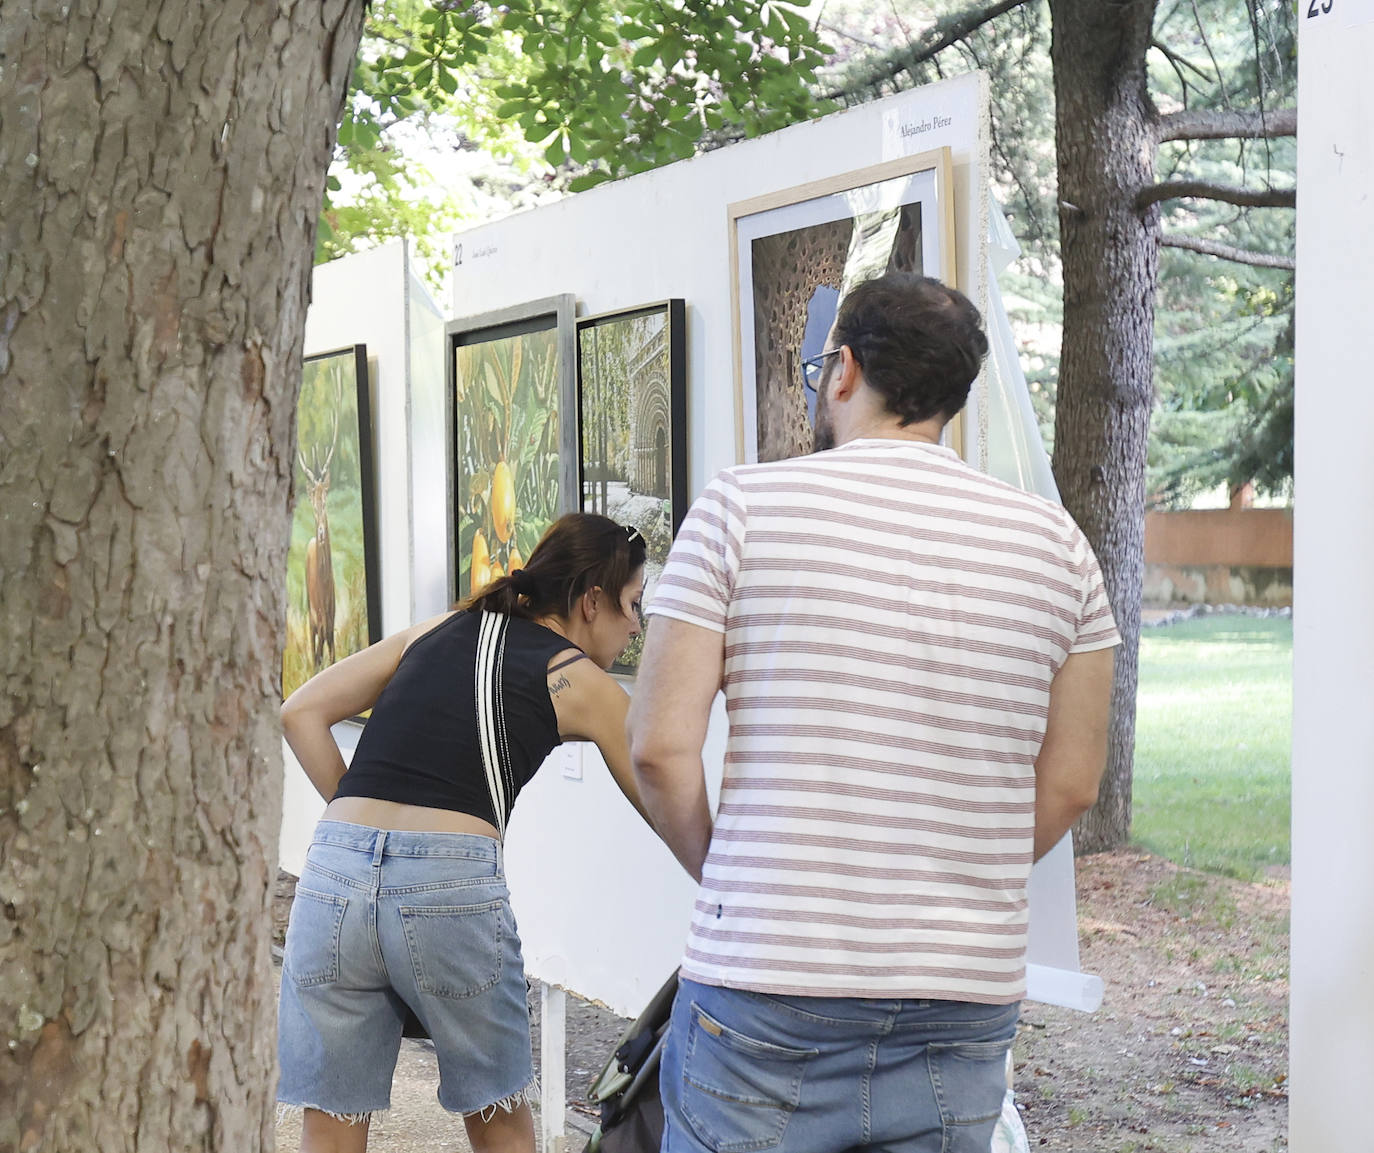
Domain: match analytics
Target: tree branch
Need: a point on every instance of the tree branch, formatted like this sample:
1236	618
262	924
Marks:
1174	58
1177	67
943	34
821	25
1245	197
1216	68
1200	125
1227	251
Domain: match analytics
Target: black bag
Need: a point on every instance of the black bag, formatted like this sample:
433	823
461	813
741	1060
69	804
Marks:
414	1027
627	1089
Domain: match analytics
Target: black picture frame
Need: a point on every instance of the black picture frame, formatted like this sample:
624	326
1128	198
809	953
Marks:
334	510
632	427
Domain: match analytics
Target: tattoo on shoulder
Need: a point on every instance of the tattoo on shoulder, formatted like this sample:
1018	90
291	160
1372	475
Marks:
559	685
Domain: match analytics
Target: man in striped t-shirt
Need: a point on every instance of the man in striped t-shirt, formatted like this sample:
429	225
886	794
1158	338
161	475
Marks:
917	662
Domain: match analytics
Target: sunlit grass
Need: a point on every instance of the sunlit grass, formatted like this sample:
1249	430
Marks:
1212	754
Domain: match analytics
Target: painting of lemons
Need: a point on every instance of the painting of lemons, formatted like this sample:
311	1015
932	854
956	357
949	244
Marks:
506	400
331	604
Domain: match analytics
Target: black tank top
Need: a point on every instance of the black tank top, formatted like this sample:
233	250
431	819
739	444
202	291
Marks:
465	721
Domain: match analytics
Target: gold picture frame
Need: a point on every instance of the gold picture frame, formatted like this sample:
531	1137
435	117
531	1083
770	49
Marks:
792	255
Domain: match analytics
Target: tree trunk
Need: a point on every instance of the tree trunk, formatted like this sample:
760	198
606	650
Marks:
161	170
1106	143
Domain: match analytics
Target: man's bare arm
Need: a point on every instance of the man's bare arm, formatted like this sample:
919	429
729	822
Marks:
679	676
1074	753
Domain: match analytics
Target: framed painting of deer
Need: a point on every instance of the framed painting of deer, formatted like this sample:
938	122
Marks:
333	604
632	416
512	435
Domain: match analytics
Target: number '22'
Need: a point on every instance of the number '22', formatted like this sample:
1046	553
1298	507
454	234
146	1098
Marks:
1316	8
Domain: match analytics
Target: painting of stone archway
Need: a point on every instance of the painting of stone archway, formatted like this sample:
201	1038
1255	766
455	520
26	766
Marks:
632	415
795	255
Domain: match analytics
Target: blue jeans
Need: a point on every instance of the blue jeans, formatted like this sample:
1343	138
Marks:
751	1071
385	920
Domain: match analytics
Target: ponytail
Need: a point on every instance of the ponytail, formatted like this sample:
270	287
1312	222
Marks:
580	551
498	596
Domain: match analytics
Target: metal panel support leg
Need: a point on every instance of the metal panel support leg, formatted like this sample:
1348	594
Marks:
553	1012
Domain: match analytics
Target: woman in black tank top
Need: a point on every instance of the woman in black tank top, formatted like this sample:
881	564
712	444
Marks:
401	908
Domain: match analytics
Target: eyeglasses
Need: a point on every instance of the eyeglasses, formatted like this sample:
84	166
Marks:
812	367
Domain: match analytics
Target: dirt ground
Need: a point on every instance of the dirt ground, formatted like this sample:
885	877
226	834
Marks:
1188	1053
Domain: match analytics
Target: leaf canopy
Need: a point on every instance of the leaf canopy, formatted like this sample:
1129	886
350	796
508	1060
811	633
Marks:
573	91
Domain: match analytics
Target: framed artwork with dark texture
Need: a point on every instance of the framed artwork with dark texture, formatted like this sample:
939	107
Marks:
795	253
512	435
333	600
632	421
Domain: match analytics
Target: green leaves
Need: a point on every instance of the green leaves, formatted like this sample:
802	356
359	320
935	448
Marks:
589	180
620	85
588	89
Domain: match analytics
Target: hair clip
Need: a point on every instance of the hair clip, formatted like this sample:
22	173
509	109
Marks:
632	534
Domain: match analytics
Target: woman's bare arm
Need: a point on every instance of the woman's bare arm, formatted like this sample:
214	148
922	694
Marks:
591	706
343	690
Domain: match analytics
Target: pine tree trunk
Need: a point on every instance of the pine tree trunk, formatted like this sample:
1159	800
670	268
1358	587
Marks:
1106	146
161	171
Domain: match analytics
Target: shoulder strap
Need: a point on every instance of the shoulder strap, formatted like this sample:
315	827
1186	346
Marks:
572	660
491	717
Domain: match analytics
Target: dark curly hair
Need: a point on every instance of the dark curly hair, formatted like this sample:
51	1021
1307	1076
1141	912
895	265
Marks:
580	551
920	344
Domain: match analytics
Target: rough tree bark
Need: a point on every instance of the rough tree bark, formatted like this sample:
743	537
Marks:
161	170
1105	136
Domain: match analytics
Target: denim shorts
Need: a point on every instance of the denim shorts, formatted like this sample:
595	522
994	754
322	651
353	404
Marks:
384	920
744	1072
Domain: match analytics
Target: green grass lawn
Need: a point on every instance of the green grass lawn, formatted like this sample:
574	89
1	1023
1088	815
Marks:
1213	725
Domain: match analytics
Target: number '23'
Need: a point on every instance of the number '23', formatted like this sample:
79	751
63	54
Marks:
1319	7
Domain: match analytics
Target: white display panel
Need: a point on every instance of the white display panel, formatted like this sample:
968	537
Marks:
666	233
425	371
1332	981
360	299
371	298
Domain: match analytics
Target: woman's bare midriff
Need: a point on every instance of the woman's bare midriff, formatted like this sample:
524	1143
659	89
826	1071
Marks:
406	818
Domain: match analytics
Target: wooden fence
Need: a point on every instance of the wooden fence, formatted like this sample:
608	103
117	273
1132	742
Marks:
1219	556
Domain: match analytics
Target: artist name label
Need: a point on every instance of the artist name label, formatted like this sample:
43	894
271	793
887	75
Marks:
930	124
476	252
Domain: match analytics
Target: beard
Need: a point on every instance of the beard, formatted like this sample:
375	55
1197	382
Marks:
823	431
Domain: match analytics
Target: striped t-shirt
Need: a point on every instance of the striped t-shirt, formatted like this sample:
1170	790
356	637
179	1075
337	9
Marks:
893	619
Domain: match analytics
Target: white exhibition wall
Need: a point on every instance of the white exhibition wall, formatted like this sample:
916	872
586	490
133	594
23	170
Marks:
428	454
664	234
374	298
1332	973
361	300
602	906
